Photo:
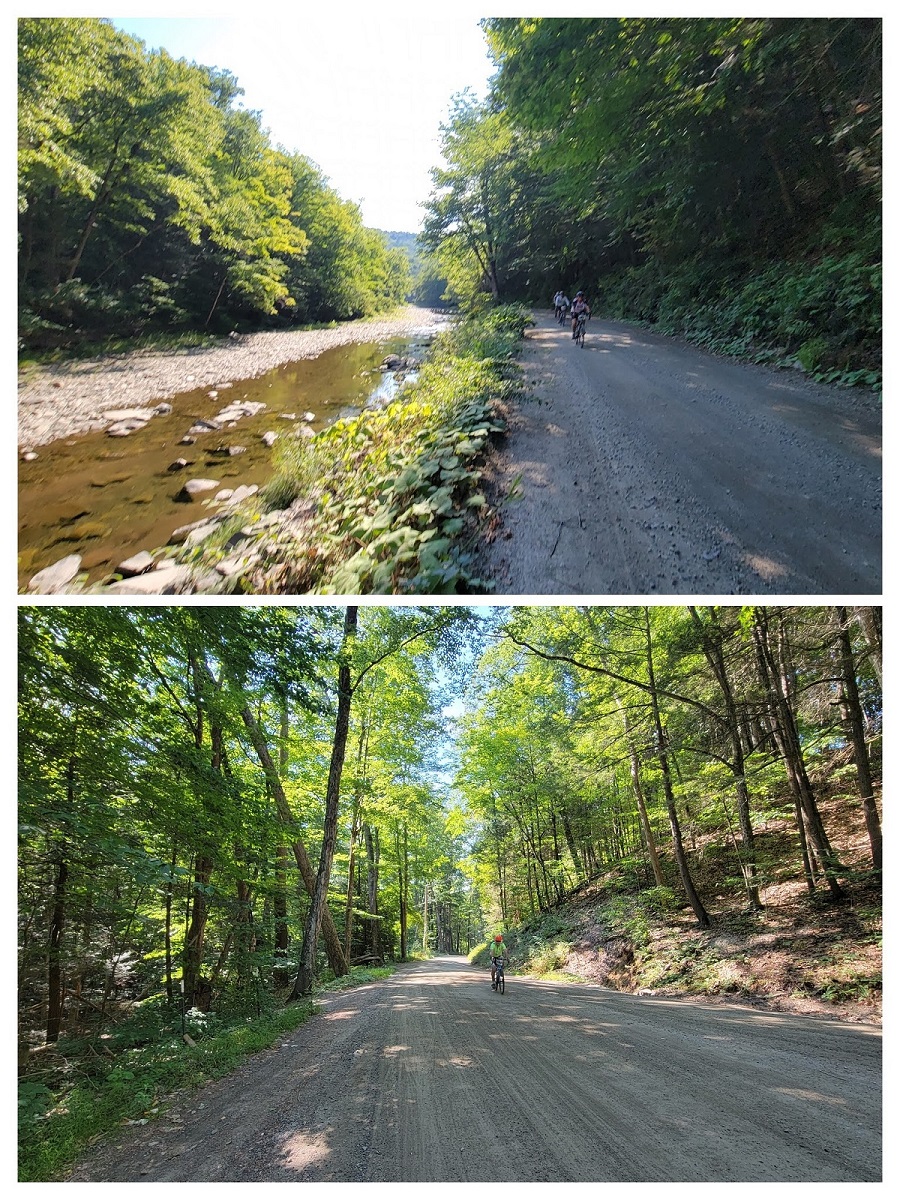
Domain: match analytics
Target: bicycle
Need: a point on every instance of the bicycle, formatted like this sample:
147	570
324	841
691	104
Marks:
580	323
499	984
560	314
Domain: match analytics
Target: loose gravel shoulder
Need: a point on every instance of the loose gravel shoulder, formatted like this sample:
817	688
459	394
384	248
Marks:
71	398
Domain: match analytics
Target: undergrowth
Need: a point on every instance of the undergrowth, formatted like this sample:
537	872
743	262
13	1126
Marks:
783	957
85	1087
389	501
821	313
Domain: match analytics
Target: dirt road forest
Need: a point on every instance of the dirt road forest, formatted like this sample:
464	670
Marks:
429	1075
642	465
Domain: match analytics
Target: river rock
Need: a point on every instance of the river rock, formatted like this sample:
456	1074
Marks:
138	564
309	416
128	414
54	578
124	428
236	564
225	494
202	532
28	456
244	492
165	581
203	425
230	451
181	534
163	410
178	465
239	409
187	440
270	437
196	487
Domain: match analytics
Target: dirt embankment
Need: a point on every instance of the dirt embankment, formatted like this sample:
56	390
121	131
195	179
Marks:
643	466
72	397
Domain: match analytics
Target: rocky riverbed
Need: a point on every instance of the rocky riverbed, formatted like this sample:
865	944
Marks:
74	404
75	397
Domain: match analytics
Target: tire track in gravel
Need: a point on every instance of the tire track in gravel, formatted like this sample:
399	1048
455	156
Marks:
423	1076
641	465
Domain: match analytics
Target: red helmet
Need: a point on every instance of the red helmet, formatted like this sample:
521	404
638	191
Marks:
499	937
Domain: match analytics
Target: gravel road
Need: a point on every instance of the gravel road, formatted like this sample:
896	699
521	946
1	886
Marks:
642	465
429	1075
71	397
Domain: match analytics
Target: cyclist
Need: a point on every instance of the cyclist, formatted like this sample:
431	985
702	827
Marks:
498	953
579	306
560	304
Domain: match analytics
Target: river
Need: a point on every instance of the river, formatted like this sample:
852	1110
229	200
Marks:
106	498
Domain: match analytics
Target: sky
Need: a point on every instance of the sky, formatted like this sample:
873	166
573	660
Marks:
363	95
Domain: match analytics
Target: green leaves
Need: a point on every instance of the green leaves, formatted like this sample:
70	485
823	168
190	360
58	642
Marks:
403	481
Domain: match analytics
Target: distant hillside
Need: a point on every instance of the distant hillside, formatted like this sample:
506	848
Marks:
409	244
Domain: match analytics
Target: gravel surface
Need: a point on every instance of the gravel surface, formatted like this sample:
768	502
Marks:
429	1075
72	397
642	465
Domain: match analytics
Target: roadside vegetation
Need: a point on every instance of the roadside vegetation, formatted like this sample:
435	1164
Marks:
676	799
389	502
718	178
128	1071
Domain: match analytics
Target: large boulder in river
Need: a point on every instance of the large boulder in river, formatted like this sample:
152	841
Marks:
54	578
166	580
196	487
138	564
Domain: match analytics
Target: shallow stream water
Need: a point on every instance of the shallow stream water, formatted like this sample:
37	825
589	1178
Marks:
106	498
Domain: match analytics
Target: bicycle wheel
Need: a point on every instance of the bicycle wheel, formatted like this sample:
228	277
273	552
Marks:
501	984
579	336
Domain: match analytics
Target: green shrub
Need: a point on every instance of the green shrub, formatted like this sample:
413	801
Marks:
395	491
823	311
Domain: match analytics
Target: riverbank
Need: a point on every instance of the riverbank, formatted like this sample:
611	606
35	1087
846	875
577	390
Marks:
74	397
387	501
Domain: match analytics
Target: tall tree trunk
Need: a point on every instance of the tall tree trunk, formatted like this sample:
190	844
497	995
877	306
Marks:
333	947
680	857
195	994
306	972
54	965
855	724
649	839
712	648
373	857
361	761
774	676
870	620
170	989
401	842
280	976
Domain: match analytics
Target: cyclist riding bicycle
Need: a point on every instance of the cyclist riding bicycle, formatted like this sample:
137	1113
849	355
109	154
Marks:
579	306
560	303
498	954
